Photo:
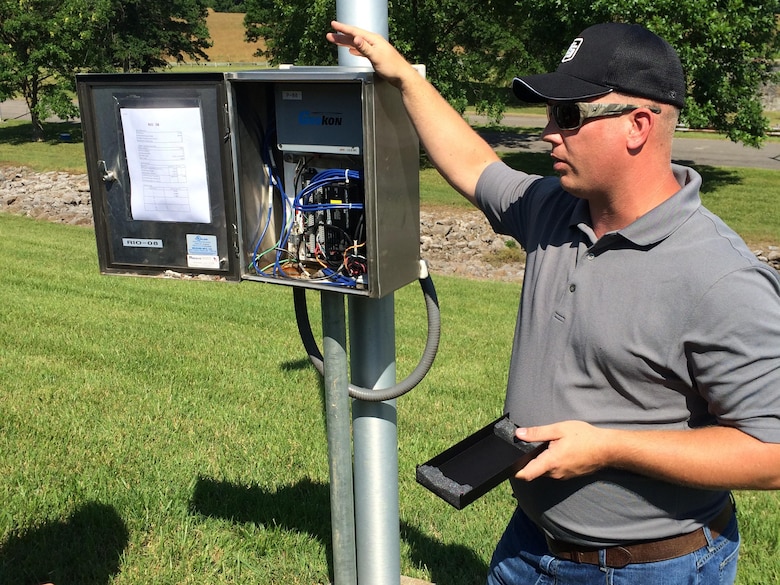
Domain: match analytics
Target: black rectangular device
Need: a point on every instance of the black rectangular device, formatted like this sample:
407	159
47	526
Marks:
474	466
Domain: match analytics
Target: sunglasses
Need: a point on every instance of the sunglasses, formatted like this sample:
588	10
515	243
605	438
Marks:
572	115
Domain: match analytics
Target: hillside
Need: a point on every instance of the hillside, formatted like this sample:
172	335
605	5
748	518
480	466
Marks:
227	33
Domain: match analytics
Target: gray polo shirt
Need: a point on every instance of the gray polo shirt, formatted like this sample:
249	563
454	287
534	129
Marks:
669	323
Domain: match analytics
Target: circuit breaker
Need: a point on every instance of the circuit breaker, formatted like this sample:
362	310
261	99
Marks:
298	176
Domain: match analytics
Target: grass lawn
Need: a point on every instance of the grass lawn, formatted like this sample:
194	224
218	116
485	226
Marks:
162	431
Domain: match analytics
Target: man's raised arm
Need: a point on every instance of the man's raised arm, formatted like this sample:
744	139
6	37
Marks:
458	152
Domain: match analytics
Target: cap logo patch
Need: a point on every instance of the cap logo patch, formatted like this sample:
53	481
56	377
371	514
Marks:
573	48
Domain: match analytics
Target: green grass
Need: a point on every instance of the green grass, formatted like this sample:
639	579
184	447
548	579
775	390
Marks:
181	419
165	431
747	199
53	154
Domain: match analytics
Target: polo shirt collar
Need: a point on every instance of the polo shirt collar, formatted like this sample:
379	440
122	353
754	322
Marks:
660	222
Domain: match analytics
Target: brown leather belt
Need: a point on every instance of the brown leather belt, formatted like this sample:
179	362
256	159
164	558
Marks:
643	552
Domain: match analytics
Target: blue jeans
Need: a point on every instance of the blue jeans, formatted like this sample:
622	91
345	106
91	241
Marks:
522	558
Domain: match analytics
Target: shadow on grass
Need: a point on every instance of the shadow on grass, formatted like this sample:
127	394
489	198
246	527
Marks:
504	137
301	507
305	507
84	549
53	133
453	564
712	178
295	365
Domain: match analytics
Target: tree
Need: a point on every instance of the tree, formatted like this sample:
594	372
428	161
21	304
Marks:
472	50
42	42
227	5
291	30
143	35
469	54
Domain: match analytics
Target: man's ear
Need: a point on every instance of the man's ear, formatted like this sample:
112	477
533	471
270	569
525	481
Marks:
642	122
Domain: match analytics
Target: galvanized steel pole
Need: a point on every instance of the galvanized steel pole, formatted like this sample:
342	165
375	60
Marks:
375	443
368	14
372	361
342	509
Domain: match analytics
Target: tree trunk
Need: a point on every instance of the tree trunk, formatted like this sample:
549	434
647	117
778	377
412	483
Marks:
31	97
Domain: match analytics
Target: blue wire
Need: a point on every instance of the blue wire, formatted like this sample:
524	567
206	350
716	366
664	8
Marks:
323	179
338	278
320	180
260	241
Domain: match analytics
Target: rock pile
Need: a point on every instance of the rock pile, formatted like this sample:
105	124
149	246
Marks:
462	243
453	241
459	242
53	196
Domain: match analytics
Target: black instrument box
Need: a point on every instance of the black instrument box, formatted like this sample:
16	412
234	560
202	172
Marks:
474	466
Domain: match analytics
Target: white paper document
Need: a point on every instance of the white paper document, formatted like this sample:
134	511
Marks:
166	159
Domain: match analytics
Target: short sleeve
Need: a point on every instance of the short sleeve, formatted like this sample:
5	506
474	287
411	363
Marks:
733	348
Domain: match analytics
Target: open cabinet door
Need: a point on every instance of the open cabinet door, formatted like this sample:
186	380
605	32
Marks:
158	158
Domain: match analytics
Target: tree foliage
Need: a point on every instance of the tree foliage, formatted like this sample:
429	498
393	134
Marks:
469	54
227	5
727	48
43	43
472	50
143	35
293	31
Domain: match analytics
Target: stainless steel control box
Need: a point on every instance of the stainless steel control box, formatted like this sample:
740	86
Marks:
298	176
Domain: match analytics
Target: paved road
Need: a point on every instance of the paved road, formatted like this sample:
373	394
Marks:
685	150
699	151
15	110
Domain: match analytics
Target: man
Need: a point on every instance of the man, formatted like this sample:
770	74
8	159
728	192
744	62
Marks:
647	349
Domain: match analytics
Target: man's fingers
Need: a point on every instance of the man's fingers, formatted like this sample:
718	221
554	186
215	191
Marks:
534	468
537	434
356	44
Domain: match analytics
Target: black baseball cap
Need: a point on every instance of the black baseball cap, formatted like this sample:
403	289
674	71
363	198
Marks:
613	56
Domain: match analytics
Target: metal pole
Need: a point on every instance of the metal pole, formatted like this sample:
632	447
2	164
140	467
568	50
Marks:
342	510
375	443
368	14
372	360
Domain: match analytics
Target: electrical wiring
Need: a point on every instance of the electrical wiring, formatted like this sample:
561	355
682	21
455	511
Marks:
275	183
324	205
281	246
320	223
355	264
311	211
255	255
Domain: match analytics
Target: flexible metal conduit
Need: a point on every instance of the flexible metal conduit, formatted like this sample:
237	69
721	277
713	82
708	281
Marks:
414	378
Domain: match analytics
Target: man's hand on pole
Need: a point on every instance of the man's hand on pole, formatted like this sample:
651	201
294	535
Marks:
385	59
459	153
